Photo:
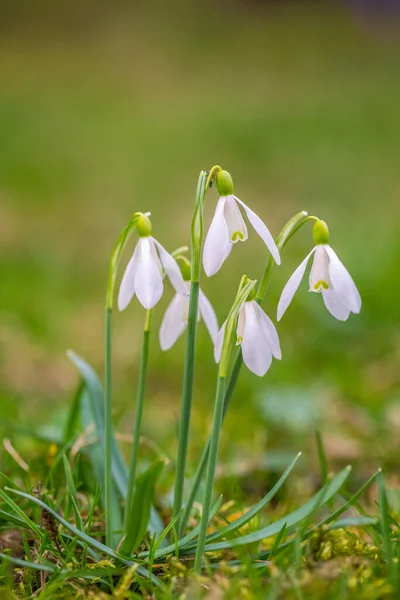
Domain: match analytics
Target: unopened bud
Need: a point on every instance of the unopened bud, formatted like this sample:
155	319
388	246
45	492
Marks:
185	267
224	183
321	232
143	224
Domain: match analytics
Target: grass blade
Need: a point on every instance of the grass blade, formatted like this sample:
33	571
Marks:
250	514
292	519
139	513
86	538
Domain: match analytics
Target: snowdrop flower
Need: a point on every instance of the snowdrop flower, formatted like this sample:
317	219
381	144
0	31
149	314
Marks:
328	276
175	319
257	336
143	275
228	227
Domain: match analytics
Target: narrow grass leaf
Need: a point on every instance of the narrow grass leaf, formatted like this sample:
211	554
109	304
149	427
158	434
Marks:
119	467
385	528
6	517
331	517
277	542
323	463
178	544
139	512
27	564
292	519
29	524
250	514
72	492
86	538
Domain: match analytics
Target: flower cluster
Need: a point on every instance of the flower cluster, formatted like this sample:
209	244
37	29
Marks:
255	332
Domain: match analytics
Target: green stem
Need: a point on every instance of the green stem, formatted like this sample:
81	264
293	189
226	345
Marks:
108	428
188	374
246	285
187	389
138	423
212	465
204	457
291	227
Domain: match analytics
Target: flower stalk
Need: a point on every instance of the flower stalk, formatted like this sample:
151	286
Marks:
187	389
108	481
245	288
128	517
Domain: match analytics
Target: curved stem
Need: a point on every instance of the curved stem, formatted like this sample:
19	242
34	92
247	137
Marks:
137	424
112	275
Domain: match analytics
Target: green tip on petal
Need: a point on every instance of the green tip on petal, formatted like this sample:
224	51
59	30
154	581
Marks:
185	267
321	232
224	183
143	224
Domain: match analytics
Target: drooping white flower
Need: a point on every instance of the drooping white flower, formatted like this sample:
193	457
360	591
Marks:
257	336
175	319
144	274
229	227
328	276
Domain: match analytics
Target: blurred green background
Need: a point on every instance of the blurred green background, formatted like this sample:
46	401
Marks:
108	110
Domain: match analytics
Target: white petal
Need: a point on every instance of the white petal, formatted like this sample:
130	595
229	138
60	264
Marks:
291	287
256	352
148	280
262	231
171	268
208	315
217	245
219	340
269	331
237	229
335	305
342	282
174	321
127	287
319	275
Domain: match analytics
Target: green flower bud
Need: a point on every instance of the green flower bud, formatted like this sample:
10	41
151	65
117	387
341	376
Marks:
224	183
185	267
143	224
321	232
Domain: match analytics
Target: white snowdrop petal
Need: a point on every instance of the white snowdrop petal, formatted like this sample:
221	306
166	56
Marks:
237	229
171	268
219	340
342	282
256	352
335	305
217	246
127	287
269	331
148	280
291	287
174	321
262	231
319	274
208	315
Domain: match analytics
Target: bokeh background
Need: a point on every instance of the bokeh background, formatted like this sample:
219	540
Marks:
106	110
